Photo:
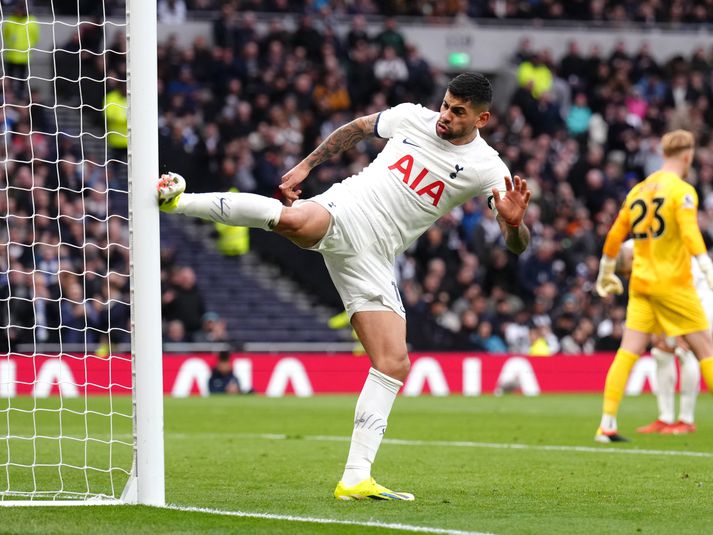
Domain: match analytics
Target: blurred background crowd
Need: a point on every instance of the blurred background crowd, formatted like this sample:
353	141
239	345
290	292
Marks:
611	11
582	128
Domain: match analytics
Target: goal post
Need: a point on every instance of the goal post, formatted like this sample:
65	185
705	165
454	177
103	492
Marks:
145	246
81	387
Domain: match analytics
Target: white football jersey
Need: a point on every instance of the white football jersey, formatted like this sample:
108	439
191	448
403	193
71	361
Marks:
419	177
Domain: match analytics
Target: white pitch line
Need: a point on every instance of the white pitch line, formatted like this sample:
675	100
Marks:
315	520
491	445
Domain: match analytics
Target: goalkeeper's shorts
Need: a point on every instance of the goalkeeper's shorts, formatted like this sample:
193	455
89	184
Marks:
676	312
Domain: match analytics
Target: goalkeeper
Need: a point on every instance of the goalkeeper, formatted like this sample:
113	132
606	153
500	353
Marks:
661	214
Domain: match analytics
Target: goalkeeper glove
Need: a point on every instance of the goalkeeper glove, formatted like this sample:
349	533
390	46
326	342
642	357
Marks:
706	266
607	282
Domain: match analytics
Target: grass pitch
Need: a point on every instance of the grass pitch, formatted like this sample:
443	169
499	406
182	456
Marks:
482	465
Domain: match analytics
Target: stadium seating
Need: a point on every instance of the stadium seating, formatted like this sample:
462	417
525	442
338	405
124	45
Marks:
239	290
242	112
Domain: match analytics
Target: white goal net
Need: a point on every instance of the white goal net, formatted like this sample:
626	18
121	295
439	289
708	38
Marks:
67	389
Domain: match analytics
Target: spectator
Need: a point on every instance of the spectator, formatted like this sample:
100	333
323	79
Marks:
579	117
538	269
308	37
524	51
225	28
390	67
612	340
573	67
116	108
517	333
20	33
331	94
357	36
213	330
390	37
535	74
580	341
171	11
175	333
183	301
488	341
232	241
420	77
539	342
222	379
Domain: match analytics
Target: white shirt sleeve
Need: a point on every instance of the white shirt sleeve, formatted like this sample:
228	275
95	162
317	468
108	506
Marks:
493	176
389	120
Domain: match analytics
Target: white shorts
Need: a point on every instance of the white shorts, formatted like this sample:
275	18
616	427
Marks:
362	272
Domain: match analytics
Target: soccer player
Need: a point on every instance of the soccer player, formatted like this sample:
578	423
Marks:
661	214
665	351
433	162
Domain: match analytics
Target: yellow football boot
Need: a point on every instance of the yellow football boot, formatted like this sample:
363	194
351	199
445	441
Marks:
170	187
369	489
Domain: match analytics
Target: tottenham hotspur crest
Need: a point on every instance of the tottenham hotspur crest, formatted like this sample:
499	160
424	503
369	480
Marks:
458	170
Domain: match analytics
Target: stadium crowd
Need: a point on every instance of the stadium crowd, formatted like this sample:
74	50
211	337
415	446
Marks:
64	277
64	271
609	12
582	129
612	12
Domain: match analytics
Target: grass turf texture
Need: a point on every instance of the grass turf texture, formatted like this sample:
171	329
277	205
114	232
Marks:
215	459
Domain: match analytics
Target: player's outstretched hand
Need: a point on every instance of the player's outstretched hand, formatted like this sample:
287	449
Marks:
291	180
511	206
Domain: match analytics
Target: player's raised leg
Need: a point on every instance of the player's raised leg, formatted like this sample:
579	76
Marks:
230	208
383	335
305	224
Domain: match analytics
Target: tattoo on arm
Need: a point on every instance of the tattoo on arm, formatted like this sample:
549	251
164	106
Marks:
342	139
516	238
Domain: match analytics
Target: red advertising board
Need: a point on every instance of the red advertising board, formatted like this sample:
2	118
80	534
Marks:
306	374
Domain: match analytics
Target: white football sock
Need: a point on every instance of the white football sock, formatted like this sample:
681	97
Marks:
690	384
666	380
370	417
608	423
230	208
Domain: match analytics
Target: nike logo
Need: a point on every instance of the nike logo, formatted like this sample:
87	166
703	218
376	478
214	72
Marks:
407	141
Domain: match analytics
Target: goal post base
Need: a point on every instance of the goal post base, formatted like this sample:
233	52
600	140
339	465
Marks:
130	495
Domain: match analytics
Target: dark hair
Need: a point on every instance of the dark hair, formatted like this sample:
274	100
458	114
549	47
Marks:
472	87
